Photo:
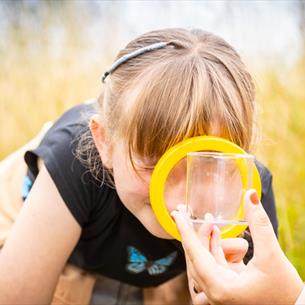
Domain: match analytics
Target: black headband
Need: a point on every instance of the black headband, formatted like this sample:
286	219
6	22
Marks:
126	57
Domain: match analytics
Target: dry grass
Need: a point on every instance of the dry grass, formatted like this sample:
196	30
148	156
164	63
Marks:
37	89
282	99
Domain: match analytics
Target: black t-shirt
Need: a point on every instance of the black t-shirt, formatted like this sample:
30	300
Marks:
113	242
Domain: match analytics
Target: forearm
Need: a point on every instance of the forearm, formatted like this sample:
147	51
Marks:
17	284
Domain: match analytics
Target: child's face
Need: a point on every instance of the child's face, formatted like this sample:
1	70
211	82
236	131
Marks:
133	187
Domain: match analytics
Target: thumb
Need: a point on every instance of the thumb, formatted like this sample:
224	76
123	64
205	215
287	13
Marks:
264	238
197	252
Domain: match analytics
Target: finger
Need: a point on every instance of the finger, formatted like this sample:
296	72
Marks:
199	257
194	287
191	272
200	299
189	237
264	239
234	249
193	275
198	296
182	208
204	233
237	267
215	247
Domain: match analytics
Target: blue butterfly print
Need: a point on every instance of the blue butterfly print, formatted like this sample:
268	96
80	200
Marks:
137	262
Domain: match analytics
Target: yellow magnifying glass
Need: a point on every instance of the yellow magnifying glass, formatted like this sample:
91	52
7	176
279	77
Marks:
172	157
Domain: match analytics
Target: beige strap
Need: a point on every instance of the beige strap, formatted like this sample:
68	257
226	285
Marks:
12	173
74	287
301	298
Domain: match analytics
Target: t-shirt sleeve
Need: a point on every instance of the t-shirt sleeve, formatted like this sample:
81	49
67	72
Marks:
267	199
57	150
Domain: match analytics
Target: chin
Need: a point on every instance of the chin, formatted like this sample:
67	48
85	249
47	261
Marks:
149	221
155	228
160	234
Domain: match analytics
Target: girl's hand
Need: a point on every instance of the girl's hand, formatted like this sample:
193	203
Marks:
269	278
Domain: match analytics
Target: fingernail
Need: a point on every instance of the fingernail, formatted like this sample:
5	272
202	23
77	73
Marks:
215	232
172	214
254	198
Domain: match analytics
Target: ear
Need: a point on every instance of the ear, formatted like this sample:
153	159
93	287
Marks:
101	140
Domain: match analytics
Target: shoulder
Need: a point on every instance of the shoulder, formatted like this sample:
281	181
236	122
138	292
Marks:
265	176
79	189
58	144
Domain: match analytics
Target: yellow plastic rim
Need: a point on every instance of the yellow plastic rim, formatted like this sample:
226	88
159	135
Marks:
171	158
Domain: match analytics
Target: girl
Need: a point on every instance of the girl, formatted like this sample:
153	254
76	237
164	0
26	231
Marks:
165	86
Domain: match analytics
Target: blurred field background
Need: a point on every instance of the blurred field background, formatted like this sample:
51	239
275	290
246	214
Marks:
52	54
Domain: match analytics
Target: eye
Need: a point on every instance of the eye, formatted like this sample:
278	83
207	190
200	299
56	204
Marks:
145	165
148	168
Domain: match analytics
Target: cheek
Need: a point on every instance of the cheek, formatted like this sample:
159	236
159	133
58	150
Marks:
138	188
175	187
130	186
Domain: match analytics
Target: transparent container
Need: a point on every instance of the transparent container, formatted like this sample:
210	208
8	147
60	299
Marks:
215	187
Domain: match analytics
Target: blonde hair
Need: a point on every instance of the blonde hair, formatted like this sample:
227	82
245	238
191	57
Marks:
196	83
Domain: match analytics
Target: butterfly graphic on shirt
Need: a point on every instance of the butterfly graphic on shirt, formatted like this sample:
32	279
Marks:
138	262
